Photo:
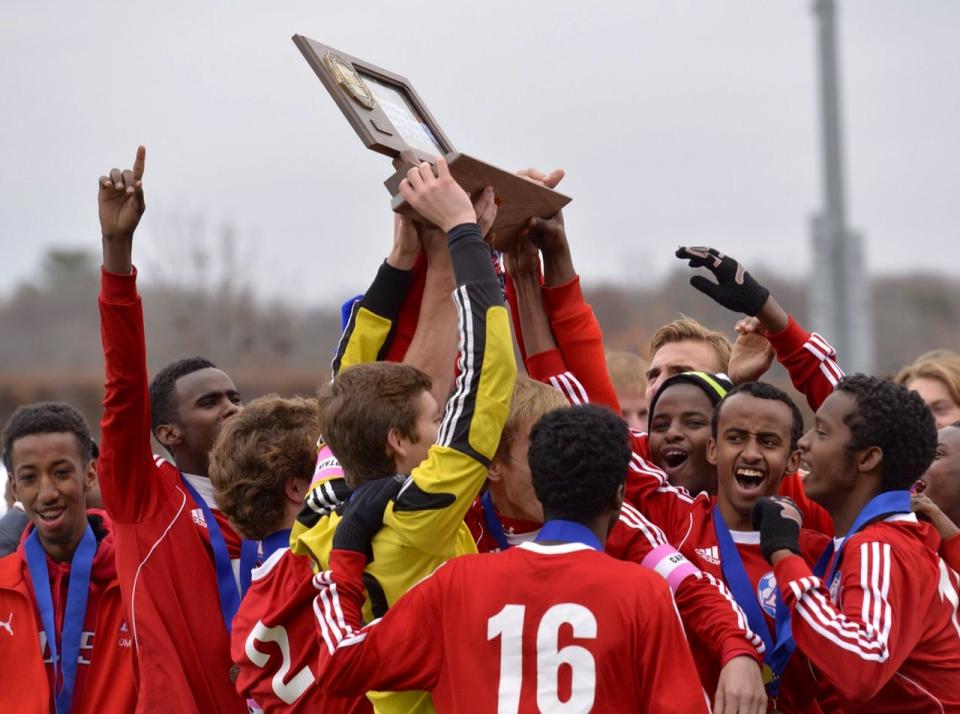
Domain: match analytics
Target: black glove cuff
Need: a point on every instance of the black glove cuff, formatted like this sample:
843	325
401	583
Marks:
353	535
785	541
757	299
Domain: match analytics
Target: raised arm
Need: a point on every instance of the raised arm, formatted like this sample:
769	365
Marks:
522	263
434	345
809	359
126	466
432	505
372	320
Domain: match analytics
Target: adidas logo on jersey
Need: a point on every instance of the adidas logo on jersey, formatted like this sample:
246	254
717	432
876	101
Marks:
710	555
198	518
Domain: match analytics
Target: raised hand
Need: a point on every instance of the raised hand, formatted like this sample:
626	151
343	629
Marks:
522	261
121	199
406	243
485	206
550	180
121	204
752	352
735	288
439	199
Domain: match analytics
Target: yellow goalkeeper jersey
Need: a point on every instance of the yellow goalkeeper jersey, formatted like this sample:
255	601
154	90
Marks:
423	527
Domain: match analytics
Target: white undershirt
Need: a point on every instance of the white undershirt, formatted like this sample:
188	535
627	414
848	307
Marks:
205	489
203	486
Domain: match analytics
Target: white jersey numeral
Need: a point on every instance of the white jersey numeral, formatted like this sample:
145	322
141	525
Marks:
508	626
287	691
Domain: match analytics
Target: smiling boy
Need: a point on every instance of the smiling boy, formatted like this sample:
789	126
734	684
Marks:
61	582
755	429
679	428
877	615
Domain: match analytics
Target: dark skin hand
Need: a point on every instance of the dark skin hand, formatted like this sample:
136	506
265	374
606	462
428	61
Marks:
549	236
121	206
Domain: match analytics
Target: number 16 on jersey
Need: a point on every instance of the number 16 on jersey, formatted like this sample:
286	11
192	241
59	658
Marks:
508	626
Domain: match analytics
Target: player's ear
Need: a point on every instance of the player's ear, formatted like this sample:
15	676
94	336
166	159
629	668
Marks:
395	443
870	459
90	475
793	462
617	501
712	451
295	489
495	472
169	435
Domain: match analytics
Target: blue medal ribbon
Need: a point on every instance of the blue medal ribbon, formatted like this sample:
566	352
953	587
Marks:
493	521
776	654
64	665
254	553
226	582
562	531
883	504
249	559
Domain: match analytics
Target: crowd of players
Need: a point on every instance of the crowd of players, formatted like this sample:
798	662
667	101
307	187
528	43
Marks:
659	536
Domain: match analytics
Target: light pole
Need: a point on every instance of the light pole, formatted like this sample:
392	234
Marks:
841	304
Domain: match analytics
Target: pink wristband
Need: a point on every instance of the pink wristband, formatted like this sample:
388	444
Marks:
670	564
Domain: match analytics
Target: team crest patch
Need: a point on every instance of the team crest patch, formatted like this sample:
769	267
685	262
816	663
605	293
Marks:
767	594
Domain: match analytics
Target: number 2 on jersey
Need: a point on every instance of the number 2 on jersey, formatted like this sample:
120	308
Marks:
508	626
290	691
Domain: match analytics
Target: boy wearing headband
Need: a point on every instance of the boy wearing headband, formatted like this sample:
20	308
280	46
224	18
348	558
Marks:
679	428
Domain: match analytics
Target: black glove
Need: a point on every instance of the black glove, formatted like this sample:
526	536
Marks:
735	288
777	531
362	515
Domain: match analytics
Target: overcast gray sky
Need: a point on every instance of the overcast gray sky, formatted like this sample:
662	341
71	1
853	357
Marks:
677	122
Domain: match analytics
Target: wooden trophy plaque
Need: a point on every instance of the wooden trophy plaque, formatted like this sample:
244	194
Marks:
389	117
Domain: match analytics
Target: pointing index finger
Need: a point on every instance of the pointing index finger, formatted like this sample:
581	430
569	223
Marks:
138	162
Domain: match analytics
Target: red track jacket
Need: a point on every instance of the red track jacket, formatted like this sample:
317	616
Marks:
105	674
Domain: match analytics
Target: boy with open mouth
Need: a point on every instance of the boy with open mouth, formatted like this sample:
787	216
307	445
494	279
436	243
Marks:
877	615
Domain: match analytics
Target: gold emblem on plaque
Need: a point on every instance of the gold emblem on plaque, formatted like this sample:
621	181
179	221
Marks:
348	78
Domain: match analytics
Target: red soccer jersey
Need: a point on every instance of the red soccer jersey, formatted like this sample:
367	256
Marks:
163	552
274	641
950	552
687	522
808	357
885	634
525	630
810	360
716	626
